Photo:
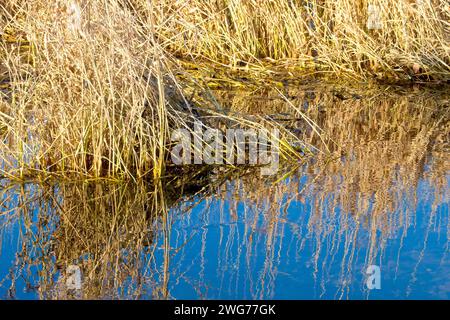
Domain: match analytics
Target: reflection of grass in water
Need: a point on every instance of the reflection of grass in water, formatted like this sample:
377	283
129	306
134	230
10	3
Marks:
378	142
102	229
382	147
365	195
108	230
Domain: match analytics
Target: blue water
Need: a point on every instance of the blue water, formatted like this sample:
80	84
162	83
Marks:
232	245
290	259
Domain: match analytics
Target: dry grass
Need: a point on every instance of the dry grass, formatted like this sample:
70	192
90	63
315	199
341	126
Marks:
329	37
93	90
91	102
87	95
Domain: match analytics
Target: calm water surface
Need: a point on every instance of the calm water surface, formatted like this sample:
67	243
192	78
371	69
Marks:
378	196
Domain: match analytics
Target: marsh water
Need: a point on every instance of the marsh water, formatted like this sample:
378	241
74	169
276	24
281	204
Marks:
374	193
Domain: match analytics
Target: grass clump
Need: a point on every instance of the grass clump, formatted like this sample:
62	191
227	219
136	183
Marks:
89	90
94	97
